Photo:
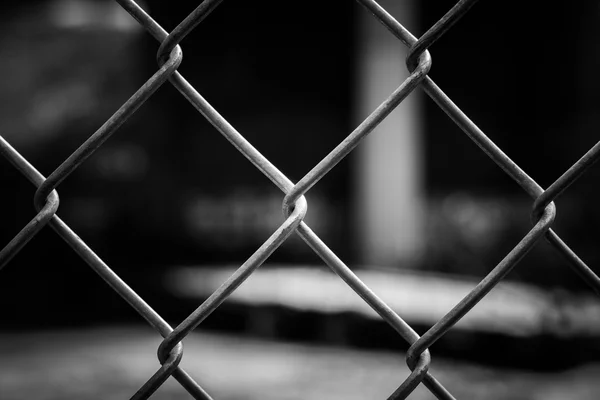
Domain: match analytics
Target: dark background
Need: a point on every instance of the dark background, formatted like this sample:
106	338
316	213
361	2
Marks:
283	75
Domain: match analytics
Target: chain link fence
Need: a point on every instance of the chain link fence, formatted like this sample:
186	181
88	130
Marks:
295	207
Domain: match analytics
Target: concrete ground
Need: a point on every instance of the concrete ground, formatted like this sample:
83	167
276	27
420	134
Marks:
113	362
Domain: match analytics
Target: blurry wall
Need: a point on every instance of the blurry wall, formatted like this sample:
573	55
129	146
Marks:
284	84
527	79
167	189
67	66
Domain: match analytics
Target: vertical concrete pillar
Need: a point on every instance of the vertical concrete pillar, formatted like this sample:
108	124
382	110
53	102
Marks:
389	197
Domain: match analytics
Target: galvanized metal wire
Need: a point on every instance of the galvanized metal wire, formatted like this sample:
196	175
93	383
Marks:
419	61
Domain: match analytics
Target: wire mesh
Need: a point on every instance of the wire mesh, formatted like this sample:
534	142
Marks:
169	57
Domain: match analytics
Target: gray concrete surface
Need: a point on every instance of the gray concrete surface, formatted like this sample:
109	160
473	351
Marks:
112	363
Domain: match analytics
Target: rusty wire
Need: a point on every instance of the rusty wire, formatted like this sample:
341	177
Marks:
169	57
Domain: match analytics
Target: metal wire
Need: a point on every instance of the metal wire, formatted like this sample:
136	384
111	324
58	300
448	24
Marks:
294	205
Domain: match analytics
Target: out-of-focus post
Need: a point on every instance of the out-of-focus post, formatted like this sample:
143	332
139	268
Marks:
389	213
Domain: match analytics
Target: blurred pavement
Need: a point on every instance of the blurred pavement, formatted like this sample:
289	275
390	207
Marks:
113	362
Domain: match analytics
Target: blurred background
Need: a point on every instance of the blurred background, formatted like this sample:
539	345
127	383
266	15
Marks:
417	210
